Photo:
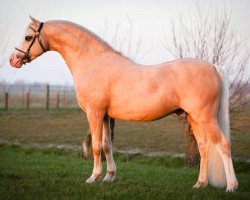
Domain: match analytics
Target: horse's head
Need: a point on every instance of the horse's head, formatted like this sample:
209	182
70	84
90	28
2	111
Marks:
33	45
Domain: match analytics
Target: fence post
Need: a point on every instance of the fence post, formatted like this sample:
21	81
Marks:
23	96
66	98
27	100
57	100
6	101
47	97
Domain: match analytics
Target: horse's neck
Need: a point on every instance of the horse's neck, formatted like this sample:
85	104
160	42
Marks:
74	43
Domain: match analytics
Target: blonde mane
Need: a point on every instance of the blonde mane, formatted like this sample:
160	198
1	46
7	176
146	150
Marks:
82	35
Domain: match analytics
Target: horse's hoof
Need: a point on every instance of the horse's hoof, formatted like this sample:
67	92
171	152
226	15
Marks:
90	180
230	190
93	178
232	187
110	176
200	184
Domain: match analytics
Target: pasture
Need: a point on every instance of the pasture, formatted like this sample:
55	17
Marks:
68	127
35	168
28	173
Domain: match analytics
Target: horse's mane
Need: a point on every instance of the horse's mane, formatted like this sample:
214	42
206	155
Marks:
80	31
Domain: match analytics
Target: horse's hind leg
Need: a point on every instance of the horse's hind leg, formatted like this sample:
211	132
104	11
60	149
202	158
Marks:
222	145
210	130
107	148
203	149
86	145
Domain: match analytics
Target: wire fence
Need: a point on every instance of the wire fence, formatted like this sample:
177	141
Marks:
37	96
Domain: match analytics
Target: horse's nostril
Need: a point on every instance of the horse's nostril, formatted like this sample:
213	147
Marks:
11	57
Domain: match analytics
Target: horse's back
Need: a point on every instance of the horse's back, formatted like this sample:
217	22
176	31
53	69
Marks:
145	93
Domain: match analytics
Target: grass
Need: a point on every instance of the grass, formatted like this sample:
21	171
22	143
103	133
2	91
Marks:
68	126
31	173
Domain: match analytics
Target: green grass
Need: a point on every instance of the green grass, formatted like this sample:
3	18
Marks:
30	173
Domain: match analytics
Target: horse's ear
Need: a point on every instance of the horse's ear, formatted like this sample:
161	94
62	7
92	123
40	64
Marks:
35	21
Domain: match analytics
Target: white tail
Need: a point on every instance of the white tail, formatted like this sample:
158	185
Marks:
216	171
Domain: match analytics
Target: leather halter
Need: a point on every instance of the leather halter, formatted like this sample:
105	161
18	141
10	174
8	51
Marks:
37	34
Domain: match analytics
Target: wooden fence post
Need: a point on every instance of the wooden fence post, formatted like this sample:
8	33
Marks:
27	100
47	97
57	100
65	100
23	96
6	101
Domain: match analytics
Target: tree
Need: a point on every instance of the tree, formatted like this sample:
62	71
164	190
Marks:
211	36
3	44
124	41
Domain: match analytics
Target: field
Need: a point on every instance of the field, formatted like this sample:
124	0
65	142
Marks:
28	173
68	127
40	158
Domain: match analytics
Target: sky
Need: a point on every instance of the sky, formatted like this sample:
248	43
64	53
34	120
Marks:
150	19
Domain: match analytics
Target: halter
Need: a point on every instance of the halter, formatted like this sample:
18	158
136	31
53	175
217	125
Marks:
37	34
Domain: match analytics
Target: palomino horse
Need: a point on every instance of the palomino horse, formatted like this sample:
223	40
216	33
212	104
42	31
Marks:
108	84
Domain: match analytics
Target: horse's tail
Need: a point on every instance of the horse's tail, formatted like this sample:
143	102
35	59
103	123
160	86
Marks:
216	171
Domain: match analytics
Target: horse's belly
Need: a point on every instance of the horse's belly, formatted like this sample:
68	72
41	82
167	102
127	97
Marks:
142	111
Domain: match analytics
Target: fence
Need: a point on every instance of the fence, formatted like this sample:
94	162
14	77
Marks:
37	96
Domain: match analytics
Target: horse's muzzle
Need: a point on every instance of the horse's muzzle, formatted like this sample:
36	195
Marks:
15	61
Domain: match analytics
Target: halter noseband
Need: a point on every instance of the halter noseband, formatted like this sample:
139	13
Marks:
37	34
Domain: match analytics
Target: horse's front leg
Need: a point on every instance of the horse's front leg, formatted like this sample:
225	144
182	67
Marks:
107	148
95	120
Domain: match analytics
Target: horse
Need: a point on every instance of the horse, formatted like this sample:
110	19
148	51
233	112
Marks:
110	85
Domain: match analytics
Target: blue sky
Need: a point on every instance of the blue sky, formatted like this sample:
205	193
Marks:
148	17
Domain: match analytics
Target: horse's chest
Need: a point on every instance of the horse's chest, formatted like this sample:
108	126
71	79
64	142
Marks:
91	97
81	100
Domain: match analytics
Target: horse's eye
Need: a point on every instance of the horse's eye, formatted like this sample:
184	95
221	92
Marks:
28	38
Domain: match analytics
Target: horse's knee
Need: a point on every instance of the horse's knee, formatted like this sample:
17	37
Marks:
96	151
96	148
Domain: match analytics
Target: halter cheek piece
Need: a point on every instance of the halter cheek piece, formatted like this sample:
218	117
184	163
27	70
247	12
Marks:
37	34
